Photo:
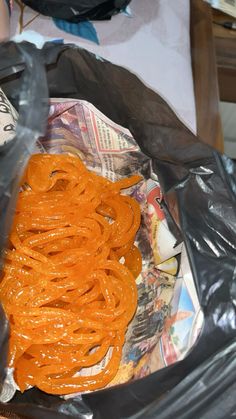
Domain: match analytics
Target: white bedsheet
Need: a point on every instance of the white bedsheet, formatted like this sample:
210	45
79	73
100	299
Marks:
154	44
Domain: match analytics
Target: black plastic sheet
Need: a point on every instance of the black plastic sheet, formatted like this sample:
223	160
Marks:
201	180
78	10
207	392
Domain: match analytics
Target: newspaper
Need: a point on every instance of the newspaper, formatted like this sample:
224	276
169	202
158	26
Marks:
168	317
8	118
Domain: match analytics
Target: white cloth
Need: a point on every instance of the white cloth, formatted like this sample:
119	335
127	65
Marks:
154	44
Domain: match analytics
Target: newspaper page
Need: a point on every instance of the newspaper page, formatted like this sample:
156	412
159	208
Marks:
8	119
168	317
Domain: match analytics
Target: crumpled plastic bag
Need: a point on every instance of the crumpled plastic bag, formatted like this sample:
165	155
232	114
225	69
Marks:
199	191
76	10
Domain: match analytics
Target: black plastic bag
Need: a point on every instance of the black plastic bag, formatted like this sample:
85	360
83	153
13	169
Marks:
207	392
203	183
78	10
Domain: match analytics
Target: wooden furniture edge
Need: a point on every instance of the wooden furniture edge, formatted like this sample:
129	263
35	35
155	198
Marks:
226	67
205	80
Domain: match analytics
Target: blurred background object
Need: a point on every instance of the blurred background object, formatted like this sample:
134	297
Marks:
226	6
225	49
4	20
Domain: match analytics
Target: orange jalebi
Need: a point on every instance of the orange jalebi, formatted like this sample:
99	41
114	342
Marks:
68	297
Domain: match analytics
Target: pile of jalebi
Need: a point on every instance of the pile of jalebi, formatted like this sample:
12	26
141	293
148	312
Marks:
68	298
